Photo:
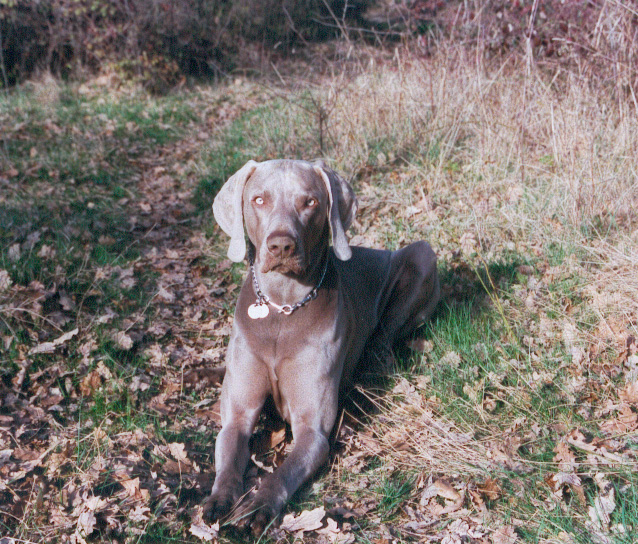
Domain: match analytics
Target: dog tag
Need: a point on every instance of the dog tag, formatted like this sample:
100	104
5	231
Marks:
258	311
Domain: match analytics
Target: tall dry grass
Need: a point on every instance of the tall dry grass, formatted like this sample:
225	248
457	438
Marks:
539	152
503	122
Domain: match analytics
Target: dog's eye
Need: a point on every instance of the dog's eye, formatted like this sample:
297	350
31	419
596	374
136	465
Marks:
311	202
259	201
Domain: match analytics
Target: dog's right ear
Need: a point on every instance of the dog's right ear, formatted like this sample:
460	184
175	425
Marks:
228	210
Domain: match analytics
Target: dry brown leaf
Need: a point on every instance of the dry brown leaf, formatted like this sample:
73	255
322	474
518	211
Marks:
176	467
205	532
629	393
420	344
504	535
627	421
123	340
86	523
308	520
504	451
564	457
441	488
369	444
178	451
133	490
490	403
139	514
334	534
559	480
477	500
90	383
491	489
468	243
604	503
593	445
49	347
451	358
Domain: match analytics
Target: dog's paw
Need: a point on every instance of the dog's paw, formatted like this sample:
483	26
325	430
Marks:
257	515
218	505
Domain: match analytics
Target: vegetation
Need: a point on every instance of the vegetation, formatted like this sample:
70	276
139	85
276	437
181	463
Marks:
512	417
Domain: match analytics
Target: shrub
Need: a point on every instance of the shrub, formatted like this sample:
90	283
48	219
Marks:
156	40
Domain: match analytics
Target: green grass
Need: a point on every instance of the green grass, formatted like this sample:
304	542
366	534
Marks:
392	491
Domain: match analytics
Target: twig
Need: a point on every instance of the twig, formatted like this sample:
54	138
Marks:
3	68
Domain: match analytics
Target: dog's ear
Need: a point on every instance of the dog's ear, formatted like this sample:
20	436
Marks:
341	208
228	210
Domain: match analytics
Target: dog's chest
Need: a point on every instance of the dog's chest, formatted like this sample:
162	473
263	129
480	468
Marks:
273	335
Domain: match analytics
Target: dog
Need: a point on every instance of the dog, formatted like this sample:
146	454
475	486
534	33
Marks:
304	316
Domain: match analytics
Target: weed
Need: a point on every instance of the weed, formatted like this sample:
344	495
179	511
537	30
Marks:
393	490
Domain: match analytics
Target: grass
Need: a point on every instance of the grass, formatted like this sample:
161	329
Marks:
393	491
529	199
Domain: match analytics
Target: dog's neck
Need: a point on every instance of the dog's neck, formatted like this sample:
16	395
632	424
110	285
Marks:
289	288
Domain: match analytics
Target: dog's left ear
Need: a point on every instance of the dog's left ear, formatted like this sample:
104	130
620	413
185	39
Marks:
228	210
341	209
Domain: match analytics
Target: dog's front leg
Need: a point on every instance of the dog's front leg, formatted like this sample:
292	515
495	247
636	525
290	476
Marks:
310	452
313	408
243	396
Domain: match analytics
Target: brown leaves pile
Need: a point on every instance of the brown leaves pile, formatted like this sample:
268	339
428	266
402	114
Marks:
68	470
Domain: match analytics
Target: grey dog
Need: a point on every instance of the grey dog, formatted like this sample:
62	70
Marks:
303	319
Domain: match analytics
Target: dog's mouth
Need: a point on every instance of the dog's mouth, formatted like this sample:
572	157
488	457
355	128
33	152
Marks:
285	266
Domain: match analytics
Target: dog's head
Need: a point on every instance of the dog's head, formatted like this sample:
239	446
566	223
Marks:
289	208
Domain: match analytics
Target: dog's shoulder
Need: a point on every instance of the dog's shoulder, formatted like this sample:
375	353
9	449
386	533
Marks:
365	273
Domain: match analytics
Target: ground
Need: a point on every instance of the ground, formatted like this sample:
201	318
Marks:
512	416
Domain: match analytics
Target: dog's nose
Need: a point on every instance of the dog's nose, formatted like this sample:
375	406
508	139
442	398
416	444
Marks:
281	245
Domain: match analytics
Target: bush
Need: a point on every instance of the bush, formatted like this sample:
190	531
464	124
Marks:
156	40
161	41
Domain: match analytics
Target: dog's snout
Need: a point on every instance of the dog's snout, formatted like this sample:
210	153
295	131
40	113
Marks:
281	245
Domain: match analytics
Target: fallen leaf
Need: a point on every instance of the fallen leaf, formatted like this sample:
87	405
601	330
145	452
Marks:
504	535
491	489
450	358
90	383
49	347
308	520
629	393
420	344
86	523
334	534
205	532
525	269
468	243
132	487
564	457
140	513
604	503
441	488
178	451
123	340
627	421
165	296
593	445
5	280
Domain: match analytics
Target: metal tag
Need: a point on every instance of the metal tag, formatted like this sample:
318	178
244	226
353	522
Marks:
258	311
